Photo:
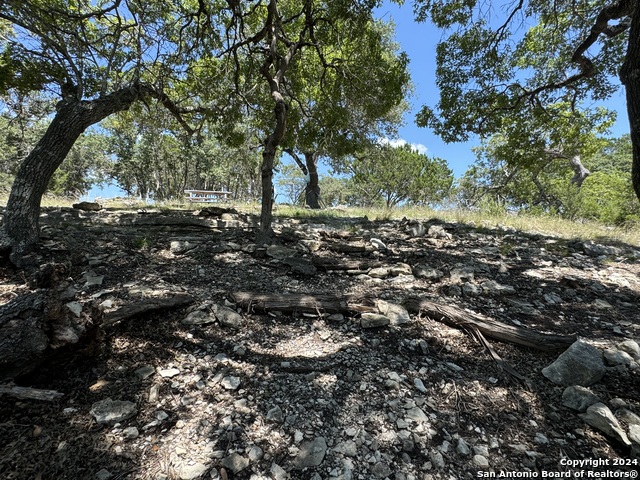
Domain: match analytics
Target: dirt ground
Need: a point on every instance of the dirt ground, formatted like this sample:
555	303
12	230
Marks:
317	396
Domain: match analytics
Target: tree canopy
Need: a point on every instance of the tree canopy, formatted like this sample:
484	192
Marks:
505	61
396	174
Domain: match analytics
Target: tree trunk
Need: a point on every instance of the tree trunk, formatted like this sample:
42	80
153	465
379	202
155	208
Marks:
312	189
630	76
265	233
72	118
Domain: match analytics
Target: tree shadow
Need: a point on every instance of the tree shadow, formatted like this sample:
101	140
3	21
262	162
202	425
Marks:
329	378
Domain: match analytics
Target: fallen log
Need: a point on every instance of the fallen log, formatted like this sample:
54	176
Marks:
145	305
489	327
331	263
304	303
27	393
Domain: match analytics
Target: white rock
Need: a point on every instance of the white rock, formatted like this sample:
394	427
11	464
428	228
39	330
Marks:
130	433
419	385
110	412
191	472
377	243
168	372
599	416
311	453
103	474
481	461
74	307
231	382
631	347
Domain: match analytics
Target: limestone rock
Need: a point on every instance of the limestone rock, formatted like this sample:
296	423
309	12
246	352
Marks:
580	364
191	472
87	206
373	320
599	416
311	453
615	357
110	412
301	266
461	274
379	272
280	253
396	314
427	272
227	317
579	398
198	317
275	415
631	347
494	288
235	462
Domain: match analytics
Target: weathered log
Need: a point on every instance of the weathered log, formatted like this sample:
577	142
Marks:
330	263
348	248
27	393
145	305
304	303
488	326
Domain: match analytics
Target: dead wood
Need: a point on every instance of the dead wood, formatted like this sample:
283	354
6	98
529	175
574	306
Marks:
347	248
145	305
331	263
27	393
489	327
303	303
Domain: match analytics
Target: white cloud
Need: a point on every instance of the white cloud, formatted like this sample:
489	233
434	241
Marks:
418	147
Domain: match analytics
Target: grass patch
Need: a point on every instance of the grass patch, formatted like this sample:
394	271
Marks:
534	224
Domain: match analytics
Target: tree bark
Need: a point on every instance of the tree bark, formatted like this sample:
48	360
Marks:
630	77
72	118
312	189
580	171
265	232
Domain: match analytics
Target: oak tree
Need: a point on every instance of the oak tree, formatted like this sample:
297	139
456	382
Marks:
508	59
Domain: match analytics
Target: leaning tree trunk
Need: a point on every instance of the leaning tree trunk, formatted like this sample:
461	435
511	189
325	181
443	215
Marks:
312	189
630	76
72	118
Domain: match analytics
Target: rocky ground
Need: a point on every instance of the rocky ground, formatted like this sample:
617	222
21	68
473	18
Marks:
215	391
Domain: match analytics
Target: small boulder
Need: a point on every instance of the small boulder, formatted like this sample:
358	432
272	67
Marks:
373	320
227	317
110	412
311	453
579	398
87	206
580	364
600	417
631	347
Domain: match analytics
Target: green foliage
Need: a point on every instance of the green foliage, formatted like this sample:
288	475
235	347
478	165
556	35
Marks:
341	102
608	198
496	182
22	122
400	174
150	157
290	184
83	167
512	59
